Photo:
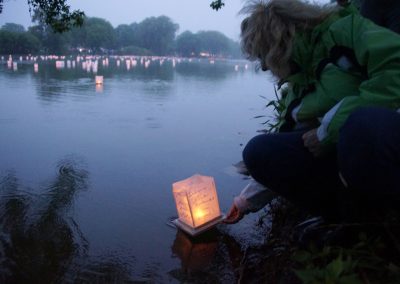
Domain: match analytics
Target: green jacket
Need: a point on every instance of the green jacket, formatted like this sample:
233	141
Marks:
346	62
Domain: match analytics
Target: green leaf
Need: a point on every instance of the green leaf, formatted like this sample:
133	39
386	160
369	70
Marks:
350	279
335	268
302	256
308	276
216	5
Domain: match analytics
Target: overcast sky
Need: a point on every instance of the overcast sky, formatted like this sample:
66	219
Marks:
193	15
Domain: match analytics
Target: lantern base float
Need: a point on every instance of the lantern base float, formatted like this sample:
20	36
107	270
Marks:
196	231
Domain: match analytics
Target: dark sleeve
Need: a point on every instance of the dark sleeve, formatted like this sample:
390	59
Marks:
385	13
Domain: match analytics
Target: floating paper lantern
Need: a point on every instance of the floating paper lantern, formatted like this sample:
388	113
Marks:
197	204
60	64
99	80
36	67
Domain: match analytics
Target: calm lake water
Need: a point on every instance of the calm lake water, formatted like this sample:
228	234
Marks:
86	172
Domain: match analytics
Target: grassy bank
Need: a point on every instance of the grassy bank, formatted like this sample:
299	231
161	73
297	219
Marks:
328	253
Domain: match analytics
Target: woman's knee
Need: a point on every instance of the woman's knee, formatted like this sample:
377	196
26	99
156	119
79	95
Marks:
269	157
251	152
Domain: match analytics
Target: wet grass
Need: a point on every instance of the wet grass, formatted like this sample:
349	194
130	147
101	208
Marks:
329	253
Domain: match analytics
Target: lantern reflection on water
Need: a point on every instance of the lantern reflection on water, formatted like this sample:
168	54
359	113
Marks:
197	204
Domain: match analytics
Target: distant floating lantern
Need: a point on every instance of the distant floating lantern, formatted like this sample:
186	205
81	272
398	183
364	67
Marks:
9	64
60	64
88	66
36	67
15	66
128	64
99	80
197	204
95	66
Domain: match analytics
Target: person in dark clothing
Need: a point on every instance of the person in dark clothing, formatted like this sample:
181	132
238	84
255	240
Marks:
348	81
385	13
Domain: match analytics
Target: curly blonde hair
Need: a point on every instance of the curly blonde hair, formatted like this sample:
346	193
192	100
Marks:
268	31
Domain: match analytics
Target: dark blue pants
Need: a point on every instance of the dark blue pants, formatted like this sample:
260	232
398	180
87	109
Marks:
369	152
368	156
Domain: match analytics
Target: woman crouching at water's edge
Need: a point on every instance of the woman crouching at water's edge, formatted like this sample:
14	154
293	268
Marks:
339	141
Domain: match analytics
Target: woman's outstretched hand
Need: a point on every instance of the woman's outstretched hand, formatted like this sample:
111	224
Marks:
311	142
234	215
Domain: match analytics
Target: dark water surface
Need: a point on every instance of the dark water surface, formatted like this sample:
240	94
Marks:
86	172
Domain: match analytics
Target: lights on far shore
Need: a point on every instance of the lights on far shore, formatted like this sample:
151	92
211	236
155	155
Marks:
96	63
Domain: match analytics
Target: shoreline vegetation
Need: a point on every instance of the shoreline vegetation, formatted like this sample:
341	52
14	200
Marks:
352	253
154	36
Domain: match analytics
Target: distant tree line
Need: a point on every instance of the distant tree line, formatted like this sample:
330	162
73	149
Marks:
152	36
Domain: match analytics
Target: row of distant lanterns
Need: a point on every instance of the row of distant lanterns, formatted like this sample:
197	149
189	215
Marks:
91	63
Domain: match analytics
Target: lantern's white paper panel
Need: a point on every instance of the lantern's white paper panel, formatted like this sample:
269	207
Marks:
196	200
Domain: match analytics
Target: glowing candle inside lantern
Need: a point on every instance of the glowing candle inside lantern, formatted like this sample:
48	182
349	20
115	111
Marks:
99	80
197	204
198	214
